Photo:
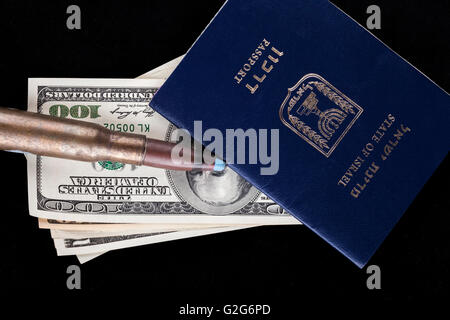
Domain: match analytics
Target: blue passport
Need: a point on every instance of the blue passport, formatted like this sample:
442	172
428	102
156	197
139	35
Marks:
359	129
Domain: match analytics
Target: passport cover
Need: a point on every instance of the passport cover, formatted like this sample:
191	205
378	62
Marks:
360	129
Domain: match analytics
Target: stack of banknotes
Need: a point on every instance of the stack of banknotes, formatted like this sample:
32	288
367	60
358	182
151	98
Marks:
92	208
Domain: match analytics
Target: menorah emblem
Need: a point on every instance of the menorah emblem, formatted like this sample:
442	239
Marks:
302	112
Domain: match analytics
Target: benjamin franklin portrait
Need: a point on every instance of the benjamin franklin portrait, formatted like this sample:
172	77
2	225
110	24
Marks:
218	188
211	192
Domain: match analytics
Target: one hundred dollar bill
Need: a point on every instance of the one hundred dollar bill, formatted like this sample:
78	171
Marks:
109	192
95	245
76	226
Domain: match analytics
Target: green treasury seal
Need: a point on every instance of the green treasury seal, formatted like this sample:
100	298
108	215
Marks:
111	165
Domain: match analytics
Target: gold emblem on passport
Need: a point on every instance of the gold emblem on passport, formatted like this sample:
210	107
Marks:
318	113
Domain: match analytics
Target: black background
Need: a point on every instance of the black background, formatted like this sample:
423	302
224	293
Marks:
271	265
